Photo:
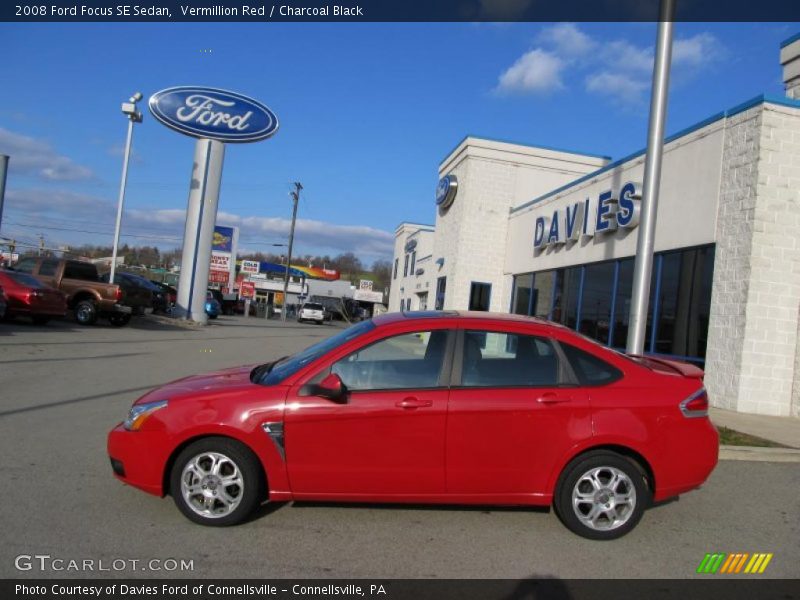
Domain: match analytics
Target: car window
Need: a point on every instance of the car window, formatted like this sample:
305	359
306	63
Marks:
25	265
589	369
312	306
48	267
492	359
408	361
80	270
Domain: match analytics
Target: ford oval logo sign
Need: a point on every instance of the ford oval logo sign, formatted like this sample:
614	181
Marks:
215	114
446	191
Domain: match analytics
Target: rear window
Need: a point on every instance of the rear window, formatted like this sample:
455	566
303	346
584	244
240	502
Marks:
80	270
312	306
589	369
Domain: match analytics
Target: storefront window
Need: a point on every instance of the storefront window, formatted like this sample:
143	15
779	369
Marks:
565	304
479	296
598	283
543	283
684	302
521	302
683	280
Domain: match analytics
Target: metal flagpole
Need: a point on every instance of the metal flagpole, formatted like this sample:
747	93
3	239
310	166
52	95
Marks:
643	265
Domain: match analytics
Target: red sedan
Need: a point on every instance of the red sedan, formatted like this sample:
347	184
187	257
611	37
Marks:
439	407
29	297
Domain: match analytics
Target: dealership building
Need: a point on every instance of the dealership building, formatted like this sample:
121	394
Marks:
538	231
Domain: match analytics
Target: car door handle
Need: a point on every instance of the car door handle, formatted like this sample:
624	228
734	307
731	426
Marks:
413	403
551	398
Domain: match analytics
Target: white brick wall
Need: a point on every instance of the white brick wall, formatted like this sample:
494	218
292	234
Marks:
753	359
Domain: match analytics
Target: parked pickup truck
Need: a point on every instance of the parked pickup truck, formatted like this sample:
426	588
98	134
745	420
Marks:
86	294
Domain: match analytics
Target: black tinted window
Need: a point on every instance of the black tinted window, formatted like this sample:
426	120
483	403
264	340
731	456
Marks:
80	270
590	369
492	359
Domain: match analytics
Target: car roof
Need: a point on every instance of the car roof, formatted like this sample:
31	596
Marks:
462	315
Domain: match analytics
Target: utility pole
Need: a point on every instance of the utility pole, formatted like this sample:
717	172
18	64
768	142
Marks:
295	199
643	264
3	175
41	244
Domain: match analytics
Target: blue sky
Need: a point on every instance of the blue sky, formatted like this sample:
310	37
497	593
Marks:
367	112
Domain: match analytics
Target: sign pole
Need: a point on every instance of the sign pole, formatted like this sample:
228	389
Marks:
643	265
3	176
201	215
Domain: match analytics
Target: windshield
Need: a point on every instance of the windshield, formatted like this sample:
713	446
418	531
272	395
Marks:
292	364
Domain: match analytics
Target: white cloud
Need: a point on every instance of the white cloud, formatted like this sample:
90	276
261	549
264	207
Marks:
616	69
34	157
566	39
619	86
57	214
536	71
696	51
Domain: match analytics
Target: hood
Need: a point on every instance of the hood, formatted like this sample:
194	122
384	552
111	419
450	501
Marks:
226	380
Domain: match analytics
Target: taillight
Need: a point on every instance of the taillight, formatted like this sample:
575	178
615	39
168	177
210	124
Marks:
119	293
695	405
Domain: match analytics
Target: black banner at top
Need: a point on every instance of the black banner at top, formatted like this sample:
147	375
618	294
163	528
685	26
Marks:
391	10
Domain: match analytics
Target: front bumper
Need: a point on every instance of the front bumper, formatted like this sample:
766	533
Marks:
138	458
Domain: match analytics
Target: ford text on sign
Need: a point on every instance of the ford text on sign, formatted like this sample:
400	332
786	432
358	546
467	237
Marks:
213	114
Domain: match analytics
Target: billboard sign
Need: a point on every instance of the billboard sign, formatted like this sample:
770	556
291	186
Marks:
214	114
220	261
247	289
223	239
250	266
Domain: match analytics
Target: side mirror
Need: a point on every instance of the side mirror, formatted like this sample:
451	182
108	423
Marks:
331	388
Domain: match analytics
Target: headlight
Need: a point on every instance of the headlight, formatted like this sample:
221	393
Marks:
139	413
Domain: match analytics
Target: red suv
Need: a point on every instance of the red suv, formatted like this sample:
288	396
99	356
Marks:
440	407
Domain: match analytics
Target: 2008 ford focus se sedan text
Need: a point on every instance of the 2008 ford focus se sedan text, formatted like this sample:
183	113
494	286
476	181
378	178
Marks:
429	407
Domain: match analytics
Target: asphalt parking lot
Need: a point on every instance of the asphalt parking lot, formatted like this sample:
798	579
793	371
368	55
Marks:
62	387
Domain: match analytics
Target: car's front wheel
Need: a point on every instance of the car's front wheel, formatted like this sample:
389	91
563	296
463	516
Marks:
602	495
217	481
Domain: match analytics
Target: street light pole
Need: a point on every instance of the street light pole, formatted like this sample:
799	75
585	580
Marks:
3	174
643	265
134	116
295	199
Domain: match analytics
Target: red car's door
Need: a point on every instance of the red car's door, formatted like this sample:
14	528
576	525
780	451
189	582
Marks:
388	437
513	412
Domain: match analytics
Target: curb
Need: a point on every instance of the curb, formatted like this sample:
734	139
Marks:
753	453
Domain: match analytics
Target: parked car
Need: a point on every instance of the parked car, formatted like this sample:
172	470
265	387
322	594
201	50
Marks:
158	296
311	311
238	308
170	292
79	280
435	407
26	296
138	292
213	307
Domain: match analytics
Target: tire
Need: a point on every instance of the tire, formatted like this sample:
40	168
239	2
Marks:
40	320
607	485
86	312
119	319
217	504
212	316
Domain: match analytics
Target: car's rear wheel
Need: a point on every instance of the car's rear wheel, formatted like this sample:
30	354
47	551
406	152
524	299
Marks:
602	495
86	312
217	481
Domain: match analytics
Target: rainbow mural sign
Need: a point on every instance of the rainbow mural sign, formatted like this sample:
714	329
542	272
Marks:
299	271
